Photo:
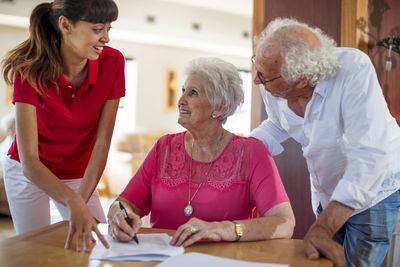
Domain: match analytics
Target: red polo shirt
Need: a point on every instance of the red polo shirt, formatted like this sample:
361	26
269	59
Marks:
67	121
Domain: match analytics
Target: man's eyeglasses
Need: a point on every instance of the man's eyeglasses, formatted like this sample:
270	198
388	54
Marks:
260	76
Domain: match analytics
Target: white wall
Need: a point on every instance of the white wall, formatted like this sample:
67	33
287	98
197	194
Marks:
219	31
169	42
151	63
9	38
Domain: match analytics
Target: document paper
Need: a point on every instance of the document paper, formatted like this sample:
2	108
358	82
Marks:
195	259
152	247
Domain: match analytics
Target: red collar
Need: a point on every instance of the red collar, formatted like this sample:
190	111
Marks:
92	74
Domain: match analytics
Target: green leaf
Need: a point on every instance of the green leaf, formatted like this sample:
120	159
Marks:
386	40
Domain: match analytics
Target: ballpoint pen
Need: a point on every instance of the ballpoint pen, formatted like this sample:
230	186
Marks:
127	219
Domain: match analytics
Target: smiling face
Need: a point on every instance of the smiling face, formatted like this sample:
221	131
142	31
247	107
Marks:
269	67
84	40
195	109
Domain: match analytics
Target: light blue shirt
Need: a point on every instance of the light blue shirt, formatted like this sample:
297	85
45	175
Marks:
349	139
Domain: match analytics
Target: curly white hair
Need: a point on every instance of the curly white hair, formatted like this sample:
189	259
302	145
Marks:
300	57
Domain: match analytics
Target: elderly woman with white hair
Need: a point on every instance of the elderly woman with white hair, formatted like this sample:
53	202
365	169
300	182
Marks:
206	182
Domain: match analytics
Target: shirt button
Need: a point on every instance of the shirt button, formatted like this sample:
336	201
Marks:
73	96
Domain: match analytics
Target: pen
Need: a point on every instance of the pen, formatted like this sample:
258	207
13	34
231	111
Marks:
127	219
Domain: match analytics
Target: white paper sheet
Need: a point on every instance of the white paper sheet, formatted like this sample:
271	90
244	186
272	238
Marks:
195	259
152	247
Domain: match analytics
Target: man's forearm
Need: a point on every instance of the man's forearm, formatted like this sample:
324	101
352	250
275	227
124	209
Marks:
334	216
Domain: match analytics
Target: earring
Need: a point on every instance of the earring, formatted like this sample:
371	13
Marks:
214	116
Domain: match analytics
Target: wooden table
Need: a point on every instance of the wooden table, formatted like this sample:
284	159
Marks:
45	247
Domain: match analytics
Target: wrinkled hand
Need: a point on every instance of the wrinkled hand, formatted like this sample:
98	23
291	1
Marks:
196	229
82	223
118	228
319	240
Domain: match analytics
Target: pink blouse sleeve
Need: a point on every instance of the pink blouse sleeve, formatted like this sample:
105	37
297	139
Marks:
138	190
266	188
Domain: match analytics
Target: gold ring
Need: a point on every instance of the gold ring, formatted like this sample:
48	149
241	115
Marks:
193	230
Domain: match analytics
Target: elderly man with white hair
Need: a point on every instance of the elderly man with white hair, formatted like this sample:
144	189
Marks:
329	100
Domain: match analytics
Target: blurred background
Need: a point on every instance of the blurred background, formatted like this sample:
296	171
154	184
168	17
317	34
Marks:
157	38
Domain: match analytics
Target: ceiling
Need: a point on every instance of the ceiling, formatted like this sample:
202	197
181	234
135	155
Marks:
239	7
217	26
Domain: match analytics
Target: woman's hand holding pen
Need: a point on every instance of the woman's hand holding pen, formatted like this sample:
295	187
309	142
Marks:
82	223
118	227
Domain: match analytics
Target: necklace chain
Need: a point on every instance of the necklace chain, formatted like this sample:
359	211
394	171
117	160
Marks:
189	209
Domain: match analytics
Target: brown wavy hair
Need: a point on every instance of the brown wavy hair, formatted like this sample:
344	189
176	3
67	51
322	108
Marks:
38	59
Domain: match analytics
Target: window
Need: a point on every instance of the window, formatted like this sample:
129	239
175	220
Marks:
239	123
126	116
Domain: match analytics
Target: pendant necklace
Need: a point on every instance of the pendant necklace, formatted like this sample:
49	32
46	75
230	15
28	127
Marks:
188	210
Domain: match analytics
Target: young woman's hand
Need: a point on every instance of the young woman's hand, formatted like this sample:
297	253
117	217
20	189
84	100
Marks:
82	223
118	228
196	229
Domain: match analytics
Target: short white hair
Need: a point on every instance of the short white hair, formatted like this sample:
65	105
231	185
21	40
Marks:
221	81
8	122
299	57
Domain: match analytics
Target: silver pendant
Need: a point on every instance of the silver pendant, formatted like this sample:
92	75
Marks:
188	210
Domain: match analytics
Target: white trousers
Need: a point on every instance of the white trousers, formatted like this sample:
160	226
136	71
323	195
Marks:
30	206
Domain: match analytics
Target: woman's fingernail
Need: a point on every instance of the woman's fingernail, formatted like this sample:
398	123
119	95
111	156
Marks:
313	256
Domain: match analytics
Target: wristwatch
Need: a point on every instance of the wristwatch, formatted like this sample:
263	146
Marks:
238	231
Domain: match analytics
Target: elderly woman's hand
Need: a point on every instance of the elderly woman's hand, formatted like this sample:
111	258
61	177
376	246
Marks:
118	228
196	229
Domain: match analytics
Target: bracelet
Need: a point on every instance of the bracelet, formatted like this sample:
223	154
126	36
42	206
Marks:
238	230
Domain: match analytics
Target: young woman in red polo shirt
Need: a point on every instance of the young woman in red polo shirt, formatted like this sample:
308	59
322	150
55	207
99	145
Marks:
67	85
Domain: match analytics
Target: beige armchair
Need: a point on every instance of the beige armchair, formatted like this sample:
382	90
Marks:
125	159
139	145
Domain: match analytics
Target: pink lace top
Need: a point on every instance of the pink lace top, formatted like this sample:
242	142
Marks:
243	176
